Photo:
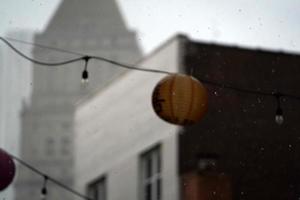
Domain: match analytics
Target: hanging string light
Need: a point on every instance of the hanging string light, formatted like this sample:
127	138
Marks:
279	113
48	178
44	190
85	73
82	57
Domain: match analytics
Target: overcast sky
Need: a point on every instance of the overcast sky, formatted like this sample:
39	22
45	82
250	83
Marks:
256	23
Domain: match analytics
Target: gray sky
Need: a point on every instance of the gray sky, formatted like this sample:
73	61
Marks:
255	23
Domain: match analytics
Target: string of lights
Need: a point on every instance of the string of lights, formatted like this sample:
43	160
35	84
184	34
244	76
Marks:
85	75
46	177
87	58
278	114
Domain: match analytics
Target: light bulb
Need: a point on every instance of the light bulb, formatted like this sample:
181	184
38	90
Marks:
84	81
85	77
279	117
43	197
44	188
43	193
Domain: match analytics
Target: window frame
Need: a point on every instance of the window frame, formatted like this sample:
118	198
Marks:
96	184
154	178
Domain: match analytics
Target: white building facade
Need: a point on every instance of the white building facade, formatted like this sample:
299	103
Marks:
123	150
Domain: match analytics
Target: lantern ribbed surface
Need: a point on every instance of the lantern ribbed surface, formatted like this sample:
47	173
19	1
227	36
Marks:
180	99
7	170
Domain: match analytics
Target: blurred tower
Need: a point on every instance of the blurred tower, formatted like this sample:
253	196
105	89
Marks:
15	90
93	27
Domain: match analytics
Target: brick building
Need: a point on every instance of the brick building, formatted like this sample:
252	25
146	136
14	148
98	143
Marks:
260	156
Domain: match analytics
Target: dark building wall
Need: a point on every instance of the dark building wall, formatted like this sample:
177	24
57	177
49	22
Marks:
261	156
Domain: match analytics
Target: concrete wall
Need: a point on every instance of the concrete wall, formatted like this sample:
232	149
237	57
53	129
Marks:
118	124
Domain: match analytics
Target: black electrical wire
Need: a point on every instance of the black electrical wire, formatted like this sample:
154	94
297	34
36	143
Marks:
77	59
36	61
248	91
49	178
219	85
130	66
43	46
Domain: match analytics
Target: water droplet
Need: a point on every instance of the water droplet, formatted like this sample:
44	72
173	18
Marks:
258	100
283	99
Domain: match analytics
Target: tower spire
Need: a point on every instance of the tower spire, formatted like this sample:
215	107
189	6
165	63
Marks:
74	14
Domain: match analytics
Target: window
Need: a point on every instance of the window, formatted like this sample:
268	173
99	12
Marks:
97	190
65	146
49	146
151	175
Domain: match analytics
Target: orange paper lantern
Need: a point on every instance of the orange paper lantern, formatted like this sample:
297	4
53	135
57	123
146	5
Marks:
180	99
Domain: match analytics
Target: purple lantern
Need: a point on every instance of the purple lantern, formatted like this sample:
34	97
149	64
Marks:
7	169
